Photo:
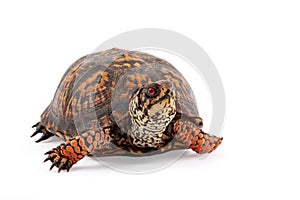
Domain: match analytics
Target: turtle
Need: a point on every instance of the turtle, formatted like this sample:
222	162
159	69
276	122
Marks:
120	102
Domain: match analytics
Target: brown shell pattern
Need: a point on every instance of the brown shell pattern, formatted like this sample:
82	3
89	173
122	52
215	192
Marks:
96	89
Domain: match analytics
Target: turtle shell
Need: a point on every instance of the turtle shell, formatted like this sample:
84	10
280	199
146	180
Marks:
95	91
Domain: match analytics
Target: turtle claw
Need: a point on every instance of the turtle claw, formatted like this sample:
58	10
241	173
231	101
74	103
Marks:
41	129
35	125
53	164
64	165
48	152
58	160
35	132
48	158
45	136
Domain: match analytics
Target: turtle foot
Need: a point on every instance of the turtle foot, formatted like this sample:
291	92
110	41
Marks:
41	129
58	160
67	154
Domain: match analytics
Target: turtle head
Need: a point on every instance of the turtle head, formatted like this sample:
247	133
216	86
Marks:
153	105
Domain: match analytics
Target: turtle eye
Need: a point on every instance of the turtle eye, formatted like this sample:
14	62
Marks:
152	92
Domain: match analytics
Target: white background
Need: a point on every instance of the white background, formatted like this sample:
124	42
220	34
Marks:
255	46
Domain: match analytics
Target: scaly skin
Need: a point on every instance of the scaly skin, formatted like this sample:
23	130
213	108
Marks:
67	154
187	131
194	138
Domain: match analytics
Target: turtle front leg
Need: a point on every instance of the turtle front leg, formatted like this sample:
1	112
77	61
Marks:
190	133
67	154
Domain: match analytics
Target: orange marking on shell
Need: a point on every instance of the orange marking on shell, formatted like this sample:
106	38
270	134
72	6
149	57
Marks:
129	85
176	75
141	79
117	65
127	65
127	58
175	81
136	64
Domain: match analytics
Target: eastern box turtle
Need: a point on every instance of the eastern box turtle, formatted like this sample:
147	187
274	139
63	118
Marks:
123	103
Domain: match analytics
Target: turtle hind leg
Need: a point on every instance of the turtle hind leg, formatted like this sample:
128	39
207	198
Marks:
41	129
